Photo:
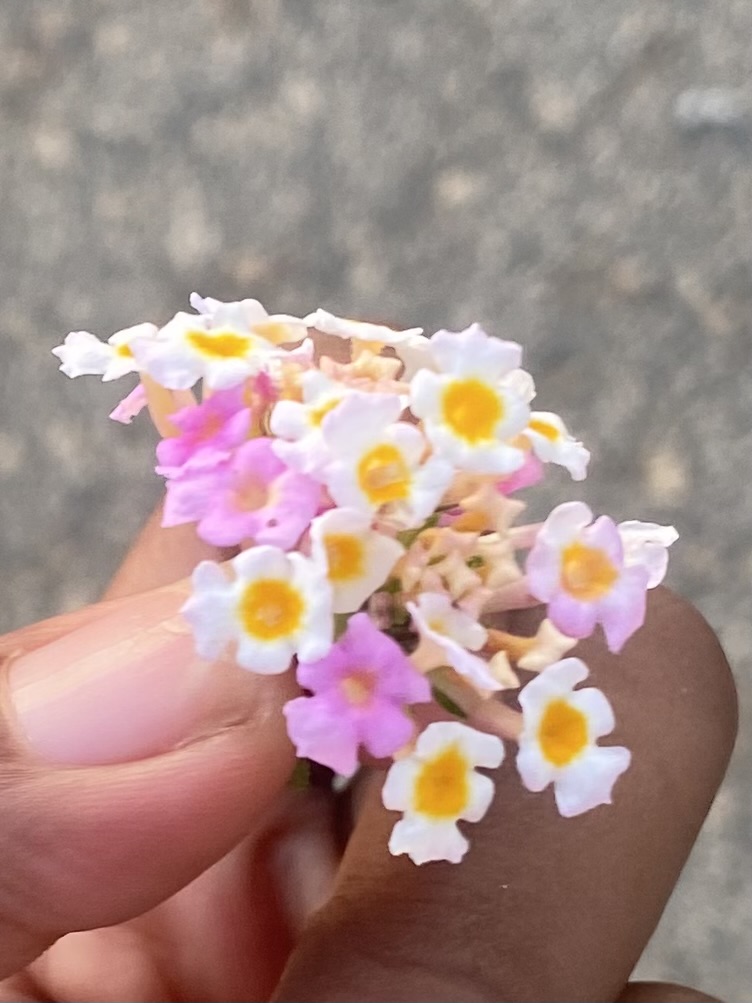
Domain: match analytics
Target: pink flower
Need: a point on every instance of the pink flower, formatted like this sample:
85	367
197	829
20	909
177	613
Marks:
577	566
360	690
250	496
530	473
219	423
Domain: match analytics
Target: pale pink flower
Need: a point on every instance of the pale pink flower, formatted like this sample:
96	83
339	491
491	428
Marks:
577	566
251	496
130	406
360	691
529	474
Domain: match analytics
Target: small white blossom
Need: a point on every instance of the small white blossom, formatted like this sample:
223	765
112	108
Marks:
250	315
359	330
552	443
279	605
358	560
436	787
470	410
558	744
83	354
378	462
646	544
448	637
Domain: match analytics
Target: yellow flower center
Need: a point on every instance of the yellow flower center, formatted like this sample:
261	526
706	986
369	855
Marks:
383	475
344	555
124	351
271	609
442	788
563	733
472	409
586	572
358	687
317	414
544	428
219	345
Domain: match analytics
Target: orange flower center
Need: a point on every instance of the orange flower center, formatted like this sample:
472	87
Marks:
562	733
586	572
442	788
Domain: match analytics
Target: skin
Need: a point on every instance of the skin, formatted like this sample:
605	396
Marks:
207	891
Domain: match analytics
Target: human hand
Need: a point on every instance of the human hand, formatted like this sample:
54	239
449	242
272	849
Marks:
145	803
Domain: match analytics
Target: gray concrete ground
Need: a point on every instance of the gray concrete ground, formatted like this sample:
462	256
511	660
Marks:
555	169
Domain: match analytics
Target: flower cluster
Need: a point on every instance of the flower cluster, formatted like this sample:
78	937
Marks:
369	488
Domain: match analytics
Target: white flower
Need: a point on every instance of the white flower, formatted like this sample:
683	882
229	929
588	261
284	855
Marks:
448	636
522	383
646	544
470	409
189	348
561	727
278	606
377	462
300	422
437	786
359	330
357	558
414	353
83	354
249	315
552	443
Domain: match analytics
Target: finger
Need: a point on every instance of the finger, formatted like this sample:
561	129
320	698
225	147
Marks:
230	931
161	556
542	908
662	992
128	766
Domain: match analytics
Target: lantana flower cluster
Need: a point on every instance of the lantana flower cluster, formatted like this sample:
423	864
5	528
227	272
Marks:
368	482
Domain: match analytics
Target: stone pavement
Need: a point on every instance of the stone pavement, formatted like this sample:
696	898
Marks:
577	176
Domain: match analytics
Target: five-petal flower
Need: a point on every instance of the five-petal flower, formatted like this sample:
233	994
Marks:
577	566
436	787
378	463
558	744
360	691
471	412
278	605
357	558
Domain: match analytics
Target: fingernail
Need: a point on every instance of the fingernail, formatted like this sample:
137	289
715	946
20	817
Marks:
124	687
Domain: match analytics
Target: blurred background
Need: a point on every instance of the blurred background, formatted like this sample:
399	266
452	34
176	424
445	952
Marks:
575	175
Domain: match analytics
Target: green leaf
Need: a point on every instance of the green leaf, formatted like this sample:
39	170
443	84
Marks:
408	536
447	703
340	624
300	779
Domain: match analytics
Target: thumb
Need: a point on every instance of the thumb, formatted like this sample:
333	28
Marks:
127	767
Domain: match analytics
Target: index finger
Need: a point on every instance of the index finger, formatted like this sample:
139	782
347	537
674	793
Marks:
542	908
